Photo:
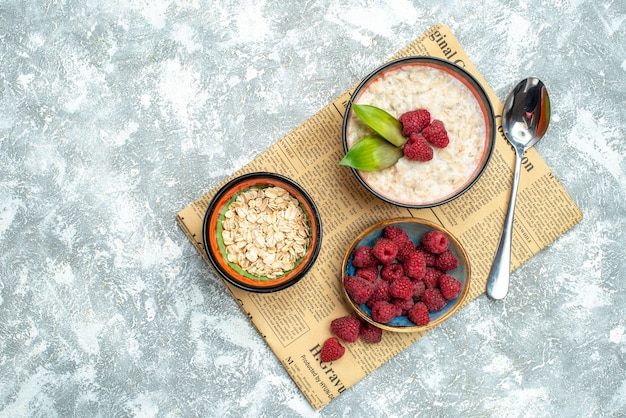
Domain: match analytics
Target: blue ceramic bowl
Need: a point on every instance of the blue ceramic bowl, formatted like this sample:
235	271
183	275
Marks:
416	228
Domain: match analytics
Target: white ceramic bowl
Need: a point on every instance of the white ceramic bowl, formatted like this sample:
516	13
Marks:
452	95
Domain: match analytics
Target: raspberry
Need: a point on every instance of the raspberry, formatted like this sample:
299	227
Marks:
414	121
401	288
384	311
434	300
436	134
450	286
404	251
446	261
403	304
368	273
418	314
331	350
415	266
385	250
358	288
363	256
396	234
418	289
392	272
417	148
429	257
380	292
346	328
435	241
371	333
431	277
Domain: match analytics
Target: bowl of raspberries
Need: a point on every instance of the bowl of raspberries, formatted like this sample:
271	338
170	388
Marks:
405	275
418	132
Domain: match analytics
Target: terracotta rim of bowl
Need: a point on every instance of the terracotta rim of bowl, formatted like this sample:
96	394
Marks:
470	82
214	248
461	298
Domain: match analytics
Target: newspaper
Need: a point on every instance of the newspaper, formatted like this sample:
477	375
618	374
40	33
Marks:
295	321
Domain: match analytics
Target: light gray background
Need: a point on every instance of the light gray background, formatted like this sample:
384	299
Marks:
115	115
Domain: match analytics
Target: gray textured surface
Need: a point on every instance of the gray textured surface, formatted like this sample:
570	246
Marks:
115	115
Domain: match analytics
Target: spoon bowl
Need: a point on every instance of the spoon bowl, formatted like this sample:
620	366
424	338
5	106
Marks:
525	119
526	113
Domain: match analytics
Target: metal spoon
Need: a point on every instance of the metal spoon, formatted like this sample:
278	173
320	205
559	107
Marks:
525	120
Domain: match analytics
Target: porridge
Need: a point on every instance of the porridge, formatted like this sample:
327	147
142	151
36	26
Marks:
415	86
265	231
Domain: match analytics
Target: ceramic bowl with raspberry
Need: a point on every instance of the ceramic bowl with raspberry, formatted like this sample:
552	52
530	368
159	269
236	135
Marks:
418	132
262	232
406	275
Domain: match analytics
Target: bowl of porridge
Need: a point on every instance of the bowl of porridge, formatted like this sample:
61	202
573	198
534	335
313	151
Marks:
405	274
262	232
451	95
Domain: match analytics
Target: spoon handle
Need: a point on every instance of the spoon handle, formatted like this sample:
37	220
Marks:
498	279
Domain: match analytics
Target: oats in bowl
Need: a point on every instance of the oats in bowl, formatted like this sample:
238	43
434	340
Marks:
265	232
452	96
262	232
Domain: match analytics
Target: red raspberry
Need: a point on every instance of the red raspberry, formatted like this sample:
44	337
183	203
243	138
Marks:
371	333
446	261
385	250
331	350
404	251
369	273
435	241
418	314
434	300
384	311
414	121
401	288
415	266
417	148
392	272
436	134
346	328
363	256
396	234
403	304
358	288
380	292
418	289
429	257
431	277
450	286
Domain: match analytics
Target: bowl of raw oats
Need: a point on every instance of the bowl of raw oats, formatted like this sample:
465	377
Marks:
262	232
430	138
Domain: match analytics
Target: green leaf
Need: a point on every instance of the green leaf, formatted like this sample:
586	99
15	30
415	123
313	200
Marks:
372	153
381	122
